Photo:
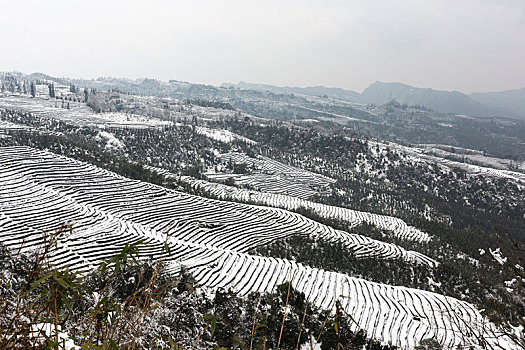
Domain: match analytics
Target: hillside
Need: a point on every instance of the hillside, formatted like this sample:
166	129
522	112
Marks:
209	239
336	93
394	121
255	190
503	104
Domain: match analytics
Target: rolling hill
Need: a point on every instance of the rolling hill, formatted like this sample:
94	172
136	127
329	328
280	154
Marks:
210	239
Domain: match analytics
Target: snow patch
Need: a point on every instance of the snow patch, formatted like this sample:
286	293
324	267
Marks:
221	135
112	142
496	254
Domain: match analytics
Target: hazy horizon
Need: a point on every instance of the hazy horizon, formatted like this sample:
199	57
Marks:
465	45
248	82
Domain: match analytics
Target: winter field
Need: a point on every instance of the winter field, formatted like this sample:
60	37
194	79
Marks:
271	176
470	155
353	217
489	166
77	114
40	190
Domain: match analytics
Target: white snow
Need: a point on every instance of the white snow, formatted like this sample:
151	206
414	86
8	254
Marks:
112	141
496	254
311	343
222	135
108	208
65	342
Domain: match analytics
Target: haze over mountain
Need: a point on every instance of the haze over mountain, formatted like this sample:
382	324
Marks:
338	93
509	100
510	104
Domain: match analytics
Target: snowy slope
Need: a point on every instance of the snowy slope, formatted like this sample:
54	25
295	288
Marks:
38	190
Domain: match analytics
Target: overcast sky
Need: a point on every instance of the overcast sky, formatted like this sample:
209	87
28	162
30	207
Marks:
465	45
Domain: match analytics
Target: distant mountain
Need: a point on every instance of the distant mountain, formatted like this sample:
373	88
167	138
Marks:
337	93
512	101
509	104
442	101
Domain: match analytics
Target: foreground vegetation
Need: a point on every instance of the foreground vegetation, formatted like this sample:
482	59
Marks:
129	303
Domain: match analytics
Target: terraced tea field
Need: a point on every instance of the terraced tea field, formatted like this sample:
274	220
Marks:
271	176
77	114
353	217
39	190
60	188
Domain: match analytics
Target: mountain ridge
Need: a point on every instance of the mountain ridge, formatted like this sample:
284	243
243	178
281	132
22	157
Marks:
500	104
507	103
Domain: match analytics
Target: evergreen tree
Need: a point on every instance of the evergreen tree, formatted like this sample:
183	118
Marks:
51	90
33	89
